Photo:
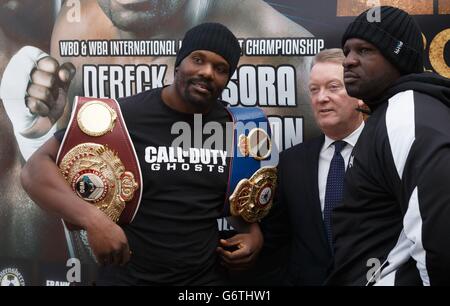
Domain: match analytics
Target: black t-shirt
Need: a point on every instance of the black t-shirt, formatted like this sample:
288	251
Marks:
174	234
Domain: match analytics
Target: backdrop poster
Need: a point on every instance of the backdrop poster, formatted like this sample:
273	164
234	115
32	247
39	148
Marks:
122	49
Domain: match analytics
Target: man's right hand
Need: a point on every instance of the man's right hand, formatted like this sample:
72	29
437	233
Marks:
108	241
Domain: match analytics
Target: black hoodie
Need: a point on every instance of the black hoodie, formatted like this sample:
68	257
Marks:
394	222
427	83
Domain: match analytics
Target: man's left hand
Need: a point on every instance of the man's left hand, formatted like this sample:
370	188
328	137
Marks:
248	247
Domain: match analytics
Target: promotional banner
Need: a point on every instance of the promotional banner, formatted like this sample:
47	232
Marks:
122	48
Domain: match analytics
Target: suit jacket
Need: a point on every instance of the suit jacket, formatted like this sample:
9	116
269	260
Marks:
296	217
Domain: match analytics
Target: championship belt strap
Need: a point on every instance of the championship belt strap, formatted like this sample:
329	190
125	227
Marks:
251	186
98	160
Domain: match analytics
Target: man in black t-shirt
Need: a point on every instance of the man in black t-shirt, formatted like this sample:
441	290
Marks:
174	237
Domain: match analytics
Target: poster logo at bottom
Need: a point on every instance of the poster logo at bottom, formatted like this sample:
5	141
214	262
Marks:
11	277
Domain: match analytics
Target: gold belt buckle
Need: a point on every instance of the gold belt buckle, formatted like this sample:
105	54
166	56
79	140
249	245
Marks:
252	198
97	175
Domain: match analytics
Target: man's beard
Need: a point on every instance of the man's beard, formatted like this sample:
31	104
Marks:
146	20
136	24
199	101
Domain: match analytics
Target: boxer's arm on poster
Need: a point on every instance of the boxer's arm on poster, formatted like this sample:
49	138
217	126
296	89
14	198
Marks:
48	87
33	89
43	181
248	247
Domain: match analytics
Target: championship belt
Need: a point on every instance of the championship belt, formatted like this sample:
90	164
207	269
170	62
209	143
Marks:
98	160
251	185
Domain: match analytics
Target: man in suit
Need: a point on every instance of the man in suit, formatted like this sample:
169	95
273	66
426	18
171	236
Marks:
309	186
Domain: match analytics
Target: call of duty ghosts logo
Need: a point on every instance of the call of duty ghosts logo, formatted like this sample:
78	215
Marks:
11	277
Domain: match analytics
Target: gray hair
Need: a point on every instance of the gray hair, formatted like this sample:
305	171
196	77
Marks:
334	55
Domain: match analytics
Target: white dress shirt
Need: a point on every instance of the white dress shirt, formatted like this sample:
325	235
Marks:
326	154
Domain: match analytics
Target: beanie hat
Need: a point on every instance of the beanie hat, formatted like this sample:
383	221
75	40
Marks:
396	35
213	37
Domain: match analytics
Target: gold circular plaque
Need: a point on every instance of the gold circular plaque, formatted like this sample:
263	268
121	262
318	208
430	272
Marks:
252	198
97	175
96	118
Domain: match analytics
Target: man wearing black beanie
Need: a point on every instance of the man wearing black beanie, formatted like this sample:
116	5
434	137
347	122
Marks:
173	238
392	227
